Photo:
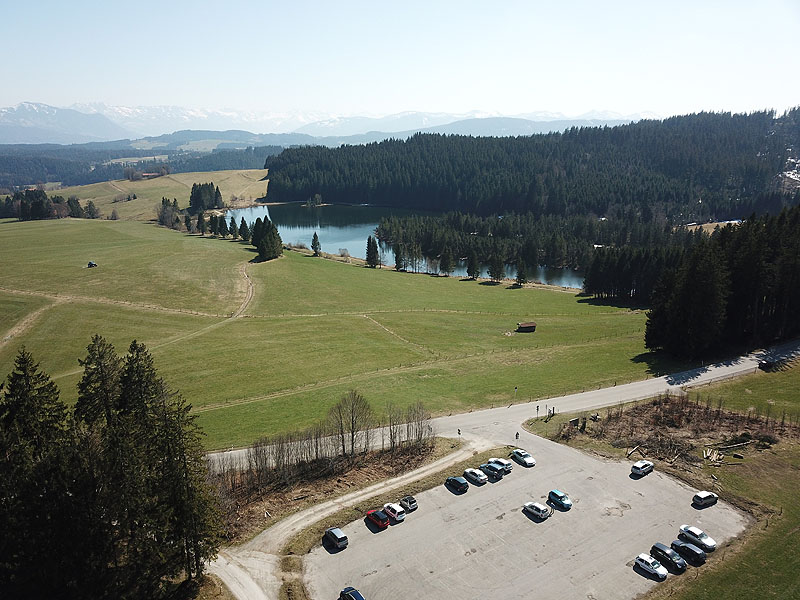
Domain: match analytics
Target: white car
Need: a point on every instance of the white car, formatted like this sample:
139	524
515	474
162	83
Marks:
540	511
651	565
523	457
475	476
698	537
395	511
642	467
503	463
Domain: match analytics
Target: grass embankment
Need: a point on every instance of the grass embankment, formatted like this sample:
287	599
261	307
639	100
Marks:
764	563
241	183
314	329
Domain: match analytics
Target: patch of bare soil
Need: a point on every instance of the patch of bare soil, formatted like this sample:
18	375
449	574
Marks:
682	437
248	512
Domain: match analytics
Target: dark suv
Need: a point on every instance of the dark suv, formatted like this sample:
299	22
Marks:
335	537
667	557
459	484
493	471
690	552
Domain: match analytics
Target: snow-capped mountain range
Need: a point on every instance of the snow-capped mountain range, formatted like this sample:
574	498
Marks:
31	122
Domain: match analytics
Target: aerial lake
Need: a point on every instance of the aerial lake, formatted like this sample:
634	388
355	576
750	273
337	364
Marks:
342	227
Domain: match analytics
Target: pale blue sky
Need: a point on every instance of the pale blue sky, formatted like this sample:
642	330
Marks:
377	58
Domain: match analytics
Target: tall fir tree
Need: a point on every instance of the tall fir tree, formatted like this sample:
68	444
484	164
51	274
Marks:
315	245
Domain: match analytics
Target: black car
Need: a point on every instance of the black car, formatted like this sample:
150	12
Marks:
350	593
459	484
493	471
690	552
667	557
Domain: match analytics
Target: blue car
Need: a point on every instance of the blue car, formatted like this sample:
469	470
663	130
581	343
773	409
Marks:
350	593
560	498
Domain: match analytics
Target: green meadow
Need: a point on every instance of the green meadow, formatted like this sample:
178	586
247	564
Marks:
246	184
313	330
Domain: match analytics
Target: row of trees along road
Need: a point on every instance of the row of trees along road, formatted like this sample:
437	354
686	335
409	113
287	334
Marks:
109	500
351	430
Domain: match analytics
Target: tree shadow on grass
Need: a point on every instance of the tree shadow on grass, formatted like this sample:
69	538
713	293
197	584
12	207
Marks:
489	283
584	298
660	363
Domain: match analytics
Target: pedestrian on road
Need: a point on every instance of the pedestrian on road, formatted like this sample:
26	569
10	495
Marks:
518	435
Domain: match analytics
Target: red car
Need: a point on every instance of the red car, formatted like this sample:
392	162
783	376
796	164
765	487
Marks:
380	518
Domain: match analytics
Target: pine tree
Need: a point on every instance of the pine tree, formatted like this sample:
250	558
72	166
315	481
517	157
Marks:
497	269
218	198
315	245
187	222
201	223
522	276
234	231
222	227
446	264
244	231
372	252
473	268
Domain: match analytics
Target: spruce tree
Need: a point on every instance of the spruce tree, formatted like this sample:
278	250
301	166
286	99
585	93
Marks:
232	229
372	252
315	245
473	267
522	276
497	269
187	222
244	231
446	264
222	227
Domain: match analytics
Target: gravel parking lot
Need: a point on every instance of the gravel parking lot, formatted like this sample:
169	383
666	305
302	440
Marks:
480	544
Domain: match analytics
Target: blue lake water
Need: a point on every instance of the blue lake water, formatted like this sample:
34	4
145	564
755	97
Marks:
342	227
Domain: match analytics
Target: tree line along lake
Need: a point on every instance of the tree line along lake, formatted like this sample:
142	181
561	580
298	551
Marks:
346	227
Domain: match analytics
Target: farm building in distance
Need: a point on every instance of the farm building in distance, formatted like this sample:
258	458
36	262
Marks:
528	327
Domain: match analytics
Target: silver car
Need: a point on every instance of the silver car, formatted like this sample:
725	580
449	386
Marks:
475	476
504	464
698	537
523	458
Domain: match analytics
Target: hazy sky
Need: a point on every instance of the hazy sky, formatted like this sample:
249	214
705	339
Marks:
342	57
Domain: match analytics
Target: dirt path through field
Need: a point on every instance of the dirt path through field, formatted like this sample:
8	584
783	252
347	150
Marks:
26	322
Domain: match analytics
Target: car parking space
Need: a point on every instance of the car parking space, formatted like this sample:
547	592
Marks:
481	542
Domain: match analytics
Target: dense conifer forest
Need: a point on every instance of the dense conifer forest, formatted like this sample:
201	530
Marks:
682	169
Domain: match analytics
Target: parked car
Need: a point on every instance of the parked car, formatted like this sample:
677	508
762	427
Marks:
651	565
335	537
475	476
350	593
698	537
523	458
395	511
642	467
503	463
540	511
459	484
560	498
667	556
492	470
690	552
704	498
380	518
409	503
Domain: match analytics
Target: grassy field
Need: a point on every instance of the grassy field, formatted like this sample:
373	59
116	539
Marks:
313	330
763	393
242	183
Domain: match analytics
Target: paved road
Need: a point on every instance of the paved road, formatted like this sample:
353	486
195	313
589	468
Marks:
599	487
